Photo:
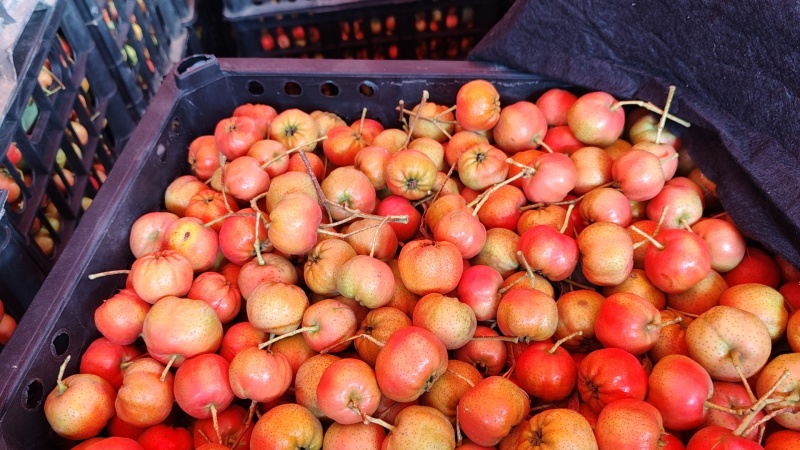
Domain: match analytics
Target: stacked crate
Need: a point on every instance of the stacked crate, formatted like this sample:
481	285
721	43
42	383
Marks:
70	101
367	29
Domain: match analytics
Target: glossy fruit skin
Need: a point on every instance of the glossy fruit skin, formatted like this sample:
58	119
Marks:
420	427
259	375
592	120
628	424
182	327
160	274
544	375
488	411
412	360
235	135
521	126
557	429
681	408
481	166
629	322
610	374
261	114
82	409
285	427
348	382
546	249
684	261
477	105
410	174
720	438
203	157
144	400
202	386
428	266
164	437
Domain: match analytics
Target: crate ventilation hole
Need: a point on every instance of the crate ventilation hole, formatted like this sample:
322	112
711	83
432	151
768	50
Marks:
33	394
60	343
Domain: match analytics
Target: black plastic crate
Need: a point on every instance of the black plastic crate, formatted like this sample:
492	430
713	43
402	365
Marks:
202	91
139	41
62	90
16	292
371	29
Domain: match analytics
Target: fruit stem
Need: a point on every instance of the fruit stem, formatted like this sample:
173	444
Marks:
528	269
674	321
257	240
213	222
738	367
758	405
650	107
562	340
735	412
510	370
203	435
222	160
648	237
262	345
669	158
168	366
362	215
544	145
247	424
292	150
531	206
459	437
461	377
383	423
663	120
448	110
566	219
347	235
576	284
352	338
683	313
484	196
375	237
661	219
59	381
275	159
513	283
521	166
433	199
401	107
216	423
541	407
321	195
514	340
361	124
425	96
687	226
766	419
110	272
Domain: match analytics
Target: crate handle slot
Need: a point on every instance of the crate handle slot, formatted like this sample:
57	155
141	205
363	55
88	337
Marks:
196	70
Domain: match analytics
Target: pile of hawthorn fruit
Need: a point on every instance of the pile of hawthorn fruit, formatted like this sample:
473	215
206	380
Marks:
540	275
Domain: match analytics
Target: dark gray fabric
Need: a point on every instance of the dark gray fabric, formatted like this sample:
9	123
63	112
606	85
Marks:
736	66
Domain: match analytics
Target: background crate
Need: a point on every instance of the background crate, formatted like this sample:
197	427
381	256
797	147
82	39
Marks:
16	292
50	108
201	92
371	29
140	41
